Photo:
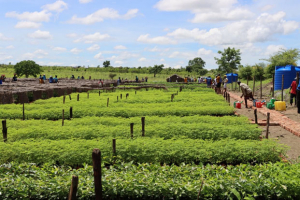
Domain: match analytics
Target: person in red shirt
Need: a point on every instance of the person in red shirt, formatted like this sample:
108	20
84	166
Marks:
293	91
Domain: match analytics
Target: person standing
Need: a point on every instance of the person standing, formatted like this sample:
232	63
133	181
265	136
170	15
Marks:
293	91
225	81
218	80
136	79
208	82
298	98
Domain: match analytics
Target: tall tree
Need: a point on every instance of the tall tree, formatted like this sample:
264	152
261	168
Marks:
156	69
230	59
106	63
282	58
196	65
27	68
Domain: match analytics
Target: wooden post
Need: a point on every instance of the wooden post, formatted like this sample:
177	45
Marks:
268	124
107	101
282	87
131	129
224	94
77	97
121	96
73	188
96	155
255	116
229	99
246	104
64	99
273	85
135	92
23	112
90	77
88	95
99	93
260	87
4	130
143	126
114	146
117	98
63	117
71	112
70	97
253	86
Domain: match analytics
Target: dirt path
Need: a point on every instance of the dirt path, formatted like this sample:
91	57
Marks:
283	136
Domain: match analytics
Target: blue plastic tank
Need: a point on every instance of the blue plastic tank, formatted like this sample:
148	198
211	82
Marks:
232	77
289	72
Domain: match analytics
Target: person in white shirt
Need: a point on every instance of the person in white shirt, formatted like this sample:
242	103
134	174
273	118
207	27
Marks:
225	81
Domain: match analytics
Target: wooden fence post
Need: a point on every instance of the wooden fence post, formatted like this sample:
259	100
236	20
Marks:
121	96
135	92
88	95
117	98
4	130
71	112
63	117
70	97
260	87
77	97
143	126
131	129
273	85
99	93
96	155
282	87
255	116
107	101
114	147
64	99
23	112
73	188
229	98
268	124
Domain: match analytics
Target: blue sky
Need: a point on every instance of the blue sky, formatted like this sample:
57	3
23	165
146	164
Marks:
144	33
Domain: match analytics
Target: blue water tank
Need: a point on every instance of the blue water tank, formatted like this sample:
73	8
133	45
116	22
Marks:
232	77
289	72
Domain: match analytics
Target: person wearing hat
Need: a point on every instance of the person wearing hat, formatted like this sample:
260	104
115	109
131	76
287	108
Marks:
293	91
246	91
225	81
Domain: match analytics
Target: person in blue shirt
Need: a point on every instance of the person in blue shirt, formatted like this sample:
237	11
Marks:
50	79
44	77
298	98
208	82
55	80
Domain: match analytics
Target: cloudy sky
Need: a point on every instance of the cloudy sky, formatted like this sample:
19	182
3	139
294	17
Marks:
144	32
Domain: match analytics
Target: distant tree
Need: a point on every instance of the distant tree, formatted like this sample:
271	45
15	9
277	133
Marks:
27	68
245	71
156	69
196	65
282	58
230	59
111	75
106	63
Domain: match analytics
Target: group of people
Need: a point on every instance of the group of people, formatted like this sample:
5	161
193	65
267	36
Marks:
43	78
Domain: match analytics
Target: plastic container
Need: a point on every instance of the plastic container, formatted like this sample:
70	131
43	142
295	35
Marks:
234	104
280	105
238	105
270	105
0	82
258	104
272	100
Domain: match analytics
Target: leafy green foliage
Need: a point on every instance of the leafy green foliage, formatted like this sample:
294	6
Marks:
106	64
197	65
27	68
245	72
156	69
142	150
230	59
151	181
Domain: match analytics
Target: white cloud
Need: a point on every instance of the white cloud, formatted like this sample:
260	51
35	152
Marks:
41	35
4	57
124	56
190	55
57	6
119	62
166	29
94	47
27	24
72	35
142	59
156	40
3	38
96	37
271	49
75	51
10	47
100	15
54	64
59	49
162	60
120	47
42	16
37	54
155	49
267	7
260	30
203	51
85	1
98	56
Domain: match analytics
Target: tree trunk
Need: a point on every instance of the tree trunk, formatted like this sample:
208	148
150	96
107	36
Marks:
154	75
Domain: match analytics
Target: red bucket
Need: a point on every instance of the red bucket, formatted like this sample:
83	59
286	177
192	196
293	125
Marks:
258	104
238	105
